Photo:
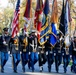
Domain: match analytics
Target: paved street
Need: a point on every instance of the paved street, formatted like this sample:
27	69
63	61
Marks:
9	71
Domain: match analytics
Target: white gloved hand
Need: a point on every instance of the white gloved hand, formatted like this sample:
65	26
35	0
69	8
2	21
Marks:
47	53
20	52
4	42
54	54
8	52
29	53
10	55
71	56
38	52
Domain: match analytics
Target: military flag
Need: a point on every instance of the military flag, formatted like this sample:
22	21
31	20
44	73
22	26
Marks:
54	21
27	13
15	22
45	26
65	18
64	22
62	25
38	17
67	23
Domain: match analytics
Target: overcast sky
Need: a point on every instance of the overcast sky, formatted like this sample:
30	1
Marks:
3	3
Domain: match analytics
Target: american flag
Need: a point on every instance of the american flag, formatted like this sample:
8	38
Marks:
15	22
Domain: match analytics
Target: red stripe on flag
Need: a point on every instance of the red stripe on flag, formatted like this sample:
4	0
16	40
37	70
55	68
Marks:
15	24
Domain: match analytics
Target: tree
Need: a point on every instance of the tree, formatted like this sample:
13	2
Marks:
12	2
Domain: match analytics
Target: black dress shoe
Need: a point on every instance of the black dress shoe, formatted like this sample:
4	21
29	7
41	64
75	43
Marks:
40	70
49	70
64	71
2	71
32	70
57	72
15	71
23	70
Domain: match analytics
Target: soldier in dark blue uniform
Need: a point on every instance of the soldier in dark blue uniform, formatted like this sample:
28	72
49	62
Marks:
15	50
33	49
73	67
4	42
66	56
24	49
42	56
0	48
50	54
58	50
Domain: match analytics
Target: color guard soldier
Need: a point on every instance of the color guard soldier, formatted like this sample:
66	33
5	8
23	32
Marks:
15	50
42	56
24	49
73	67
0	48
50	54
65	55
58	50
4	42
33	49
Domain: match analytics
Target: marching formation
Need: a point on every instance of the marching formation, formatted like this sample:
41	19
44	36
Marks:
26	48
46	37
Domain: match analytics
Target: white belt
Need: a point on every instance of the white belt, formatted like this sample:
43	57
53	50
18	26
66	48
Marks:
41	47
74	49
59	51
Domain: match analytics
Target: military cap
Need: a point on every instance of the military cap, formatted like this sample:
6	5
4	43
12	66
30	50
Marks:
5	29
74	36
22	29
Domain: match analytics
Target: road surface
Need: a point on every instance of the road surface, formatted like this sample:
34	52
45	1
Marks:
9	71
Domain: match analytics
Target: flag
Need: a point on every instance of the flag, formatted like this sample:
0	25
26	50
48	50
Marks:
54	21
64	22
28	10
62	25
15	22
53	36
54	16
45	26
38	16
65	18
27	14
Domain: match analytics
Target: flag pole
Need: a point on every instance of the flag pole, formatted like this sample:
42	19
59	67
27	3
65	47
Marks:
70	17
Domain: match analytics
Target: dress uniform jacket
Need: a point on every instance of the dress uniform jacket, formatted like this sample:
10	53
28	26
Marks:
4	47
32	43
24	43
15	45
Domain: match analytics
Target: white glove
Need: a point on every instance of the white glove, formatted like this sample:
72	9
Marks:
70	56
29	53
38	52
4	42
54	54
8	52
47	53
10	55
20	52
62	53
